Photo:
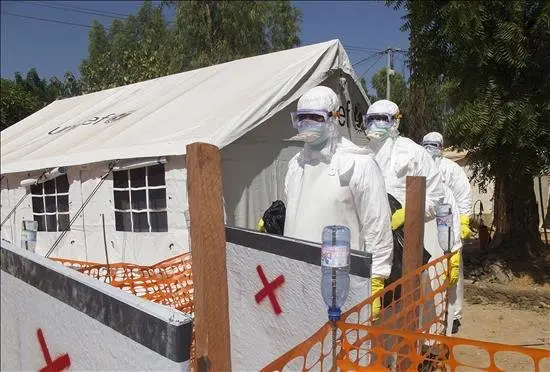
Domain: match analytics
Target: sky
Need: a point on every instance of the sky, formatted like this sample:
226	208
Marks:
52	36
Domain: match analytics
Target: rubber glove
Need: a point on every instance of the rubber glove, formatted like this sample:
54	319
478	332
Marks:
465	232
377	284
261	225
398	219
454	266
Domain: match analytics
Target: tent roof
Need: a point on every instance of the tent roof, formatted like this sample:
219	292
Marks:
216	104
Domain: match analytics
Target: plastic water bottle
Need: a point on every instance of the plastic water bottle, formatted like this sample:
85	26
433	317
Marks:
335	264
444	217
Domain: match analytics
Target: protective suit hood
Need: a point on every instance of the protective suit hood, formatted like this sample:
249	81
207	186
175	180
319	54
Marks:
321	138
433	143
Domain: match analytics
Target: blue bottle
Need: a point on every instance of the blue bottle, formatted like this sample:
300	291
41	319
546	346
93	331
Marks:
335	264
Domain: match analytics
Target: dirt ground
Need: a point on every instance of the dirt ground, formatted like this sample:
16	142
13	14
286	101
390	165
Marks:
503	324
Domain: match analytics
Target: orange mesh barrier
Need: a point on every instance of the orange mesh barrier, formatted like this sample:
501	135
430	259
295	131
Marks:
408	335
168	282
423	294
445	354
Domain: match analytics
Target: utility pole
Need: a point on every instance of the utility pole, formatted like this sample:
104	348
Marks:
389	69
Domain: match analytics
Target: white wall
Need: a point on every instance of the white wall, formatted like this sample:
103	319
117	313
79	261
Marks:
258	335
85	240
90	344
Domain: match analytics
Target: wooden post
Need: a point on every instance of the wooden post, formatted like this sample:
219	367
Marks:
208	250
415	202
415	205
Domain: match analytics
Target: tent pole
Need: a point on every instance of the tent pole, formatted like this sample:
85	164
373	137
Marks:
542	211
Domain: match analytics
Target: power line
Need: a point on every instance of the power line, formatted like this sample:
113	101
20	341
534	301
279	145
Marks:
48	20
68	9
365	59
77	8
371	66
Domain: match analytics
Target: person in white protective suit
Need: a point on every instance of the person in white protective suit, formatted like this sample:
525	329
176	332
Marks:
398	158
331	181
456	179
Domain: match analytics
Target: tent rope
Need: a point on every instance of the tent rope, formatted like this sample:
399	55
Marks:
81	209
14	208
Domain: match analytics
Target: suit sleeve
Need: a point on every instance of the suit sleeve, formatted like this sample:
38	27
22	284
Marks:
460	186
434	183
371	201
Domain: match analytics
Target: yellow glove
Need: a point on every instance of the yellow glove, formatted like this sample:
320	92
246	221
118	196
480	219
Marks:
377	284
454	267
465	232
398	219
261	225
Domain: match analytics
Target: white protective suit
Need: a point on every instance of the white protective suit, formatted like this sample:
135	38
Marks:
455	178
336	182
398	158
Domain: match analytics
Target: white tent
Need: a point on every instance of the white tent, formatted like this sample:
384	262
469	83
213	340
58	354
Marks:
241	106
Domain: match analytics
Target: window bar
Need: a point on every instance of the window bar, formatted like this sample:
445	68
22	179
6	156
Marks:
147	198
130	201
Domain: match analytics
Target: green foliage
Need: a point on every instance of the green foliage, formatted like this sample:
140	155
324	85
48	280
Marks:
203	33
15	103
134	49
398	86
23	96
492	58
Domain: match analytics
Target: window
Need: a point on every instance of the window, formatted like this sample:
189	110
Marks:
140	199
50	204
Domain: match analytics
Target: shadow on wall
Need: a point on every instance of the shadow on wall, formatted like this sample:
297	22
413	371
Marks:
254	167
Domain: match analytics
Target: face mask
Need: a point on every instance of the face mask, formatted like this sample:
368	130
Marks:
378	130
434	151
311	132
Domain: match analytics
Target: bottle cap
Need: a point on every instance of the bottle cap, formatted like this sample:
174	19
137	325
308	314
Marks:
334	313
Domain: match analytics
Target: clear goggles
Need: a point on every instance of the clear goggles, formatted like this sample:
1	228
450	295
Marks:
305	118
431	144
385	120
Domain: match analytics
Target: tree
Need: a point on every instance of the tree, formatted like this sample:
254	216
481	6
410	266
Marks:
212	32
134	49
203	33
23	96
15	103
398	86
492	57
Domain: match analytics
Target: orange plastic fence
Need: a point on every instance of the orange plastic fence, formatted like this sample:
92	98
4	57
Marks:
409	335
168	282
445	354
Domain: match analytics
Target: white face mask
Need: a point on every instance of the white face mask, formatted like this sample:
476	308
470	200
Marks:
434	151
311	132
378	130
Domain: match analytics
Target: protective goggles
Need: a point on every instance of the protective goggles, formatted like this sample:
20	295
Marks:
303	118
380	118
432	144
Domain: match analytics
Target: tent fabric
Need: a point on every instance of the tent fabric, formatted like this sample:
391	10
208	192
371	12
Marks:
455	155
216	104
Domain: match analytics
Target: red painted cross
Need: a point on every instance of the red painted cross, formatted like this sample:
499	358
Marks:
52	366
269	289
